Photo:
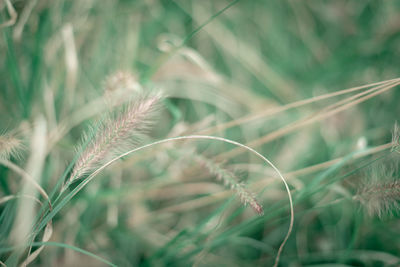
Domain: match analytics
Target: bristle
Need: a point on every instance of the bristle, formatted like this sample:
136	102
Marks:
9	146
380	198
230	180
117	134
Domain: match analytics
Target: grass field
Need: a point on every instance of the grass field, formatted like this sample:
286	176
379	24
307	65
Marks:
199	133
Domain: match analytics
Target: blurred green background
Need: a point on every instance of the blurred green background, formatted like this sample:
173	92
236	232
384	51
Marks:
160	208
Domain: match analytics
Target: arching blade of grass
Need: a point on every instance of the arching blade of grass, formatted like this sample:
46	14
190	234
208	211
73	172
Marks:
280	206
69	196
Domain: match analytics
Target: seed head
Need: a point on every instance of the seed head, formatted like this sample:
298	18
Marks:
10	145
117	134
230	180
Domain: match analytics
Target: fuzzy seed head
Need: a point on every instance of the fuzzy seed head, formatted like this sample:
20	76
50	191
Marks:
117	134
230	180
9	146
381	198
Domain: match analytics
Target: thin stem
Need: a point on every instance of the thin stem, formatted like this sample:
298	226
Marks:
91	176
27	177
275	110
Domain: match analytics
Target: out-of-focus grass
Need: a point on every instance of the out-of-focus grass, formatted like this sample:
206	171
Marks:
158	207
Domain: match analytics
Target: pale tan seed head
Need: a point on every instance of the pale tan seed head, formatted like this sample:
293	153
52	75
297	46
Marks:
117	134
230	180
10	146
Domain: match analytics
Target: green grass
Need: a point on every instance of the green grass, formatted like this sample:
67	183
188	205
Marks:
238	70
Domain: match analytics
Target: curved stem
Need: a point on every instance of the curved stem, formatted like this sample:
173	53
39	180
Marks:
91	176
27	177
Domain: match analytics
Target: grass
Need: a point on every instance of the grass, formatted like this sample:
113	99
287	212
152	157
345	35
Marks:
289	107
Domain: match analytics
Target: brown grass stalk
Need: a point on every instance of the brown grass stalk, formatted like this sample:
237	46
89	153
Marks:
318	116
276	110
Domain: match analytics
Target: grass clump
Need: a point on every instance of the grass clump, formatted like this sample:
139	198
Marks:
254	86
